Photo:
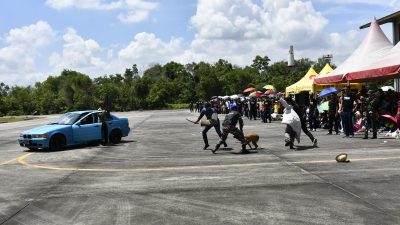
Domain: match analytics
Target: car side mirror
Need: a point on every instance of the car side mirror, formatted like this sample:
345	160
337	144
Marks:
78	123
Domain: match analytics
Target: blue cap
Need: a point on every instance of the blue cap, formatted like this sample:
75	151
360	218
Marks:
233	106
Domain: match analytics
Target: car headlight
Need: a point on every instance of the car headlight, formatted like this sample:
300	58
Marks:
39	136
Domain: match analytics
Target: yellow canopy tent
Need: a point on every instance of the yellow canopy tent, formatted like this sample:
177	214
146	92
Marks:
293	88
307	82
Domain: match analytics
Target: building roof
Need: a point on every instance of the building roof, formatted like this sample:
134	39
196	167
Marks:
386	19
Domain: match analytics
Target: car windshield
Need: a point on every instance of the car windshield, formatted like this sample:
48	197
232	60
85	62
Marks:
68	119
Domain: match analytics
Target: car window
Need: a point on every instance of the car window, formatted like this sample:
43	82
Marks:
87	120
69	118
96	118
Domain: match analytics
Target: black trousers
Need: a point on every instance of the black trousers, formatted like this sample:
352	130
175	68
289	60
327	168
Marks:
333	120
304	128
104	132
207	128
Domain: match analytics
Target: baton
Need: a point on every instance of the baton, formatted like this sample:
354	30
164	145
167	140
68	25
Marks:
190	121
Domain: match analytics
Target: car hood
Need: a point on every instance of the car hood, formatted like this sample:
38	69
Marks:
45	129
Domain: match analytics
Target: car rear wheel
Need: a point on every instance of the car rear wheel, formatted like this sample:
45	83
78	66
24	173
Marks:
57	142
115	136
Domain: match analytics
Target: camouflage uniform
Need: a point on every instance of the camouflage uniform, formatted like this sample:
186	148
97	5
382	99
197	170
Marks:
372	103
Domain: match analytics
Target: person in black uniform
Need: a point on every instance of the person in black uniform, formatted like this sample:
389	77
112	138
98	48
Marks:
268	109
347	108
253	108
229	127
299	112
209	113
312	114
332	114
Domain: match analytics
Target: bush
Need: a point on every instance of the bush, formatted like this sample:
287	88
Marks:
15	113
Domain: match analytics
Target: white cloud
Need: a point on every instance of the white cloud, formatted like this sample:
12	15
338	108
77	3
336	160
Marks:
391	3
19	57
237	30
77	54
146	48
135	11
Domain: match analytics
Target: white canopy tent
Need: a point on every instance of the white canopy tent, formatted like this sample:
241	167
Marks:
375	46
385	68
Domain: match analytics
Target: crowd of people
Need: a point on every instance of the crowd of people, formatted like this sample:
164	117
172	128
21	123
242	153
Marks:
349	112
251	107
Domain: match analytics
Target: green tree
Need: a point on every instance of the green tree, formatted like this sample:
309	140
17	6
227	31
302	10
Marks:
261	63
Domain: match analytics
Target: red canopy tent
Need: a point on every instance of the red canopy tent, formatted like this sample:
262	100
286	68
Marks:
386	68
374	47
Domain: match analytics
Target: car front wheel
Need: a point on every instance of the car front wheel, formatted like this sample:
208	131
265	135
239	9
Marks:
57	142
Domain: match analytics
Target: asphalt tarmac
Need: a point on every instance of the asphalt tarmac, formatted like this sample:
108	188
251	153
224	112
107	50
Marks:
160	174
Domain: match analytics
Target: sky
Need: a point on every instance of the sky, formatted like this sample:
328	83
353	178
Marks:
39	38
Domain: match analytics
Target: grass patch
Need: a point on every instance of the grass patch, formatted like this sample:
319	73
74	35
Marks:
17	119
177	106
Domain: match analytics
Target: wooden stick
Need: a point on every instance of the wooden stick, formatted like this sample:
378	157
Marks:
190	121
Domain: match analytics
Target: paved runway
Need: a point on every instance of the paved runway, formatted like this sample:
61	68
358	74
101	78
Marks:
160	174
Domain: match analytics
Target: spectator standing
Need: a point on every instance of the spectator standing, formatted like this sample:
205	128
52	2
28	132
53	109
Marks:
333	116
268	108
312	116
191	106
253	108
372	114
347	109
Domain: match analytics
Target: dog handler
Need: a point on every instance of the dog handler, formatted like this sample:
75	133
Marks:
229	126
214	122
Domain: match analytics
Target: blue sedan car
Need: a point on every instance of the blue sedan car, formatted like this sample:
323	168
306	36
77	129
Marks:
74	128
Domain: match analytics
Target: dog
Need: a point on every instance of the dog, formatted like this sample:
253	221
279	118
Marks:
253	138
394	134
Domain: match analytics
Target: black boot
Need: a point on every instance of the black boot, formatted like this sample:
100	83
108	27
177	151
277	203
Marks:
244	150
216	148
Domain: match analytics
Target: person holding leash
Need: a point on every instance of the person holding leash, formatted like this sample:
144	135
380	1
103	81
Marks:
211	115
229	127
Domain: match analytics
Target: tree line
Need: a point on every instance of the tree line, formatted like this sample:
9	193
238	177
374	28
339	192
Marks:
159	86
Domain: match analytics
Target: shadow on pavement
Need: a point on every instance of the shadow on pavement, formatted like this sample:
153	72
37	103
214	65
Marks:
304	148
